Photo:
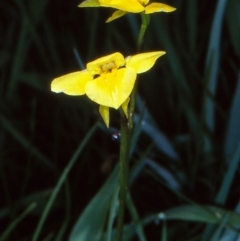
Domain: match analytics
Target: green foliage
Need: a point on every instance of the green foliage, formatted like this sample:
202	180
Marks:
96	213
184	169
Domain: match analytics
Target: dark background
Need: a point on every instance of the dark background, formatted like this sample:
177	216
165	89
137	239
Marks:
40	130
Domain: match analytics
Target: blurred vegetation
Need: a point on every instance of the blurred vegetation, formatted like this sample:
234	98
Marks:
59	161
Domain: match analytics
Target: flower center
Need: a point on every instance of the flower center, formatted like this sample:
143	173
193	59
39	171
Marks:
108	67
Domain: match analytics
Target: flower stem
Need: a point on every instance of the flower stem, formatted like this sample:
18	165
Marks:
123	175
125	143
145	21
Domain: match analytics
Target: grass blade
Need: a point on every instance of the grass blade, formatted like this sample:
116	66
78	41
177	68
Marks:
13	225
91	222
61	180
212	67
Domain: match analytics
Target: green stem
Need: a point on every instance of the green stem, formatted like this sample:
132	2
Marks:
123	175
145	21
126	134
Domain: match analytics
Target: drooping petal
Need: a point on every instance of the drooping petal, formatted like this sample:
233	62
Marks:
89	3
158	7
71	84
133	6
116	14
113	88
143	62
125	106
97	66
104	112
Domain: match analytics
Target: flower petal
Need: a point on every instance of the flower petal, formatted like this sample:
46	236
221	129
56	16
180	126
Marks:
125	106
158	7
95	67
133	6
104	112
113	88
143	62
71	84
89	3
116	14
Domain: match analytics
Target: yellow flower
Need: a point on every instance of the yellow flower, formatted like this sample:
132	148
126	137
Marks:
126	6
107	81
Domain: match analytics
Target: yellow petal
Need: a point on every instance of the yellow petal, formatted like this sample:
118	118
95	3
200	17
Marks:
133	6
71	84
113	88
96	66
143	62
89	3
104	112
125	106
158	7
116	14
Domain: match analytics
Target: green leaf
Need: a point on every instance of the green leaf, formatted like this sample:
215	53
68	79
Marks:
208	214
90	225
212	67
233	130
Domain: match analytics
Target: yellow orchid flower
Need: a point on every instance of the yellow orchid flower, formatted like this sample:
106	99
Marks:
128	6
108	81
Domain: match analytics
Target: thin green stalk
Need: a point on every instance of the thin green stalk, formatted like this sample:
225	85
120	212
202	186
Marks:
13	225
136	218
123	174
61	181
126	134
145	21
